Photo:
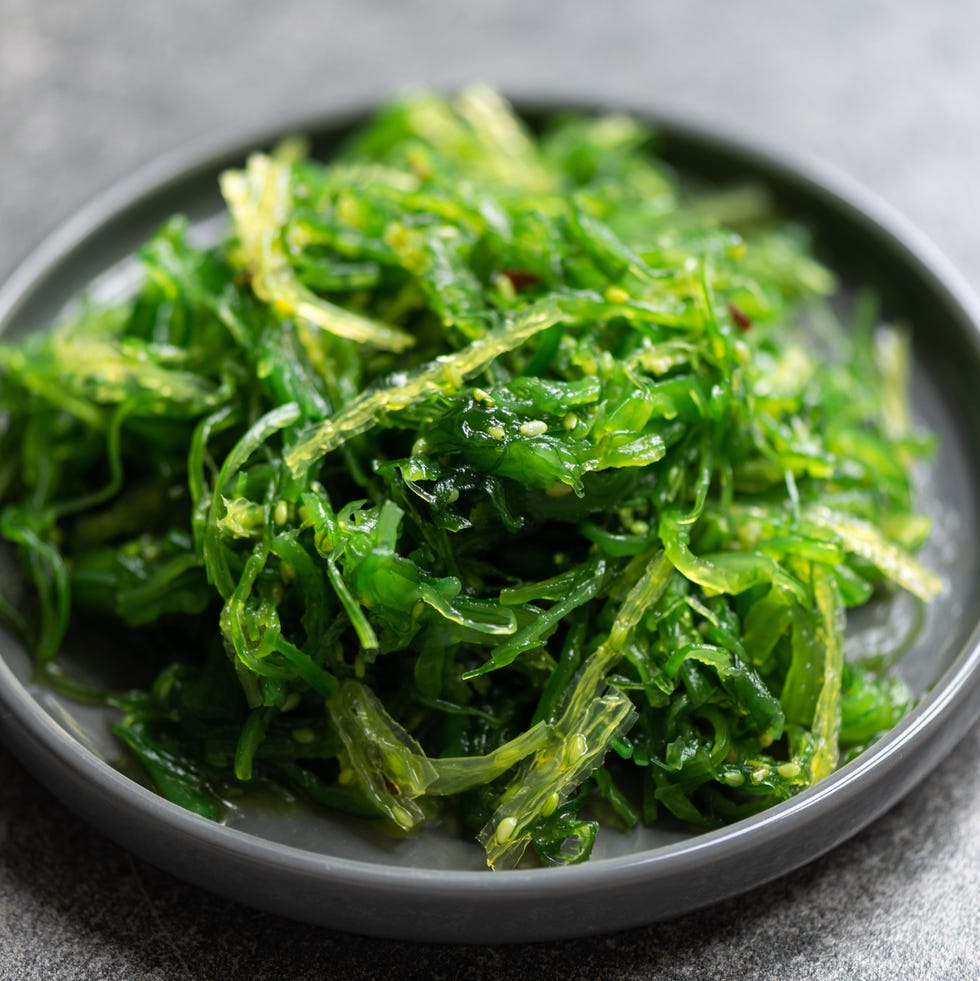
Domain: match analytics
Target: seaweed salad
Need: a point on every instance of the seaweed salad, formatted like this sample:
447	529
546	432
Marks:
480	474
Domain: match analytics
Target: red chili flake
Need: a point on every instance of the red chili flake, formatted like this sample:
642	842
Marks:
742	320
521	279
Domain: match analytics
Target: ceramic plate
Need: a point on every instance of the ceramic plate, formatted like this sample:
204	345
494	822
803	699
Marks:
329	871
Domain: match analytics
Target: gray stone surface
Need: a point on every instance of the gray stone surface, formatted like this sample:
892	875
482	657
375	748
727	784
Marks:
889	92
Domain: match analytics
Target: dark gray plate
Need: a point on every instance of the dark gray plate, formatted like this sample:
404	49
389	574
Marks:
333	872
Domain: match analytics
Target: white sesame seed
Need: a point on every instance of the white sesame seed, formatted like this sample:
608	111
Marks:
577	748
401	817
533	427
550	805
505	830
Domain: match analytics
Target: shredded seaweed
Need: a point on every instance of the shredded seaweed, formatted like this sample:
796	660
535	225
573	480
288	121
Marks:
478	473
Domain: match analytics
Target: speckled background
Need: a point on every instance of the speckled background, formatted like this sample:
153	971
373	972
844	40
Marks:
887	91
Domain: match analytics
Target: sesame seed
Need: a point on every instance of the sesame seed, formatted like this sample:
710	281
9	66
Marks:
550	804
534	427
558	489
505	830
576	748
401	817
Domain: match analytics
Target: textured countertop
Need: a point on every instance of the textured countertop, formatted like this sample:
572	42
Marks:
888	92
